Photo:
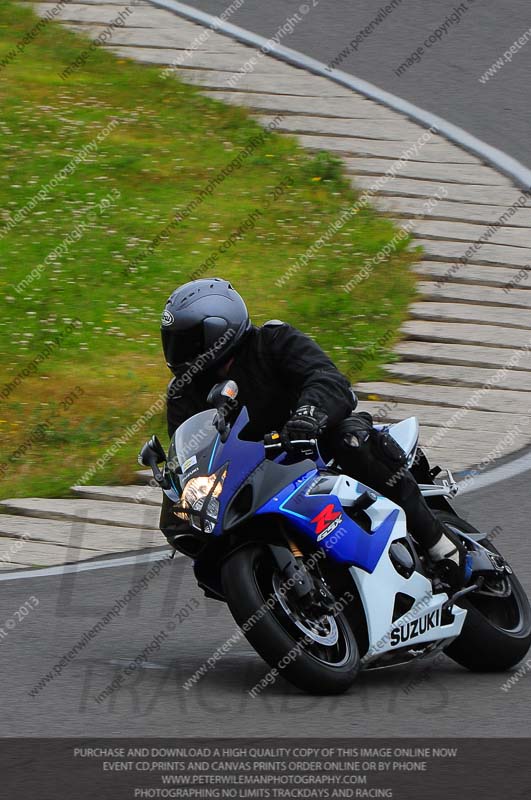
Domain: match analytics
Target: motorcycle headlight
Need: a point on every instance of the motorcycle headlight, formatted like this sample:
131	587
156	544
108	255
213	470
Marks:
195	493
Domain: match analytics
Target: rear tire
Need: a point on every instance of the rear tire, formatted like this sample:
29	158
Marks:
496	634
248	578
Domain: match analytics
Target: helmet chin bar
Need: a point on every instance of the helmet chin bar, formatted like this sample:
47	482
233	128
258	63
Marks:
200	370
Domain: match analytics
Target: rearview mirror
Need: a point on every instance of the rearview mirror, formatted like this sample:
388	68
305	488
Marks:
222	396
151	455
222	393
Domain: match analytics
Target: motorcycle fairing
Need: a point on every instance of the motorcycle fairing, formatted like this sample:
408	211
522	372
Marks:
321	515
242	458
239	456
372	570
378	590
245	462
322	518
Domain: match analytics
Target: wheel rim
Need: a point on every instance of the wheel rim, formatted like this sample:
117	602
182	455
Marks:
336	654
323	630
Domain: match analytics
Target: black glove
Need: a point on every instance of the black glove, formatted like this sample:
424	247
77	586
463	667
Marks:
308	422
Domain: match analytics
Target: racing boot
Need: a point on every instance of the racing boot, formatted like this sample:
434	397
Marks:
449	557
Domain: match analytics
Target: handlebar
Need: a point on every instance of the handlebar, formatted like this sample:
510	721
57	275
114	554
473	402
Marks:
272	441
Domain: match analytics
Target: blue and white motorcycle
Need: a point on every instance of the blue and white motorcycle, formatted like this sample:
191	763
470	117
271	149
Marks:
318	570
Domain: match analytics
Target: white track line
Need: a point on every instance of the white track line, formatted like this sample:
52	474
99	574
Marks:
496	475
502	473
84	566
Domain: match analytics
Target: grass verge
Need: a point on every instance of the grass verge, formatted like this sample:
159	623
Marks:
95	169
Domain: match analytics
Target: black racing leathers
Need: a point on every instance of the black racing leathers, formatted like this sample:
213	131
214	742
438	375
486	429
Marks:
278	369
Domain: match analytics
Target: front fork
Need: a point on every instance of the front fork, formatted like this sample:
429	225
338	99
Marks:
310	591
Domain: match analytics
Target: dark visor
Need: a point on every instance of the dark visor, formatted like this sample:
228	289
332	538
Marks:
181	347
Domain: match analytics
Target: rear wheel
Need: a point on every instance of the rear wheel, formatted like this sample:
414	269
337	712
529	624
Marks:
316	652
496	634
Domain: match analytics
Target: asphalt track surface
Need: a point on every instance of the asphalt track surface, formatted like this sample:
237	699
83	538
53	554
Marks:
445	80
449	701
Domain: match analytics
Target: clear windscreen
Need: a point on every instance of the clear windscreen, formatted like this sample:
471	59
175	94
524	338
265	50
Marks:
191	445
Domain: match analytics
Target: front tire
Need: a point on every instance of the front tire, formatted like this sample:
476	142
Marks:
327	665
496	634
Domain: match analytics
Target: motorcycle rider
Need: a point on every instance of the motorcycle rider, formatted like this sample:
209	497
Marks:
288	384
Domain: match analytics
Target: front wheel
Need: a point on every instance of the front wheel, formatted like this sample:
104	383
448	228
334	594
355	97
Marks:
496	634
315	652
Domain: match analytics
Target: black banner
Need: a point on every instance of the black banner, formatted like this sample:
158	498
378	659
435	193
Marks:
150	768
